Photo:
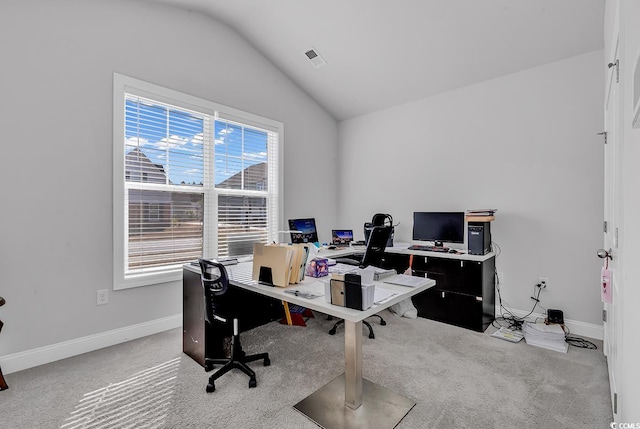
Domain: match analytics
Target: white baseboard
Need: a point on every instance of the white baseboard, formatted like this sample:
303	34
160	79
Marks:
576	327
51	353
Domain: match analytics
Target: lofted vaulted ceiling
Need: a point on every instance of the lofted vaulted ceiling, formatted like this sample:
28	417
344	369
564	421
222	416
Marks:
382	53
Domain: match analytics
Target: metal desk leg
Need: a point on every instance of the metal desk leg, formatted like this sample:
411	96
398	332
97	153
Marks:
351	402
353	364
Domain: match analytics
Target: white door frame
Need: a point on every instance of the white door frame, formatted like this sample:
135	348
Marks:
613	216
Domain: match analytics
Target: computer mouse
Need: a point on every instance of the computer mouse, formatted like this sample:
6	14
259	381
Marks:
331	247
453	251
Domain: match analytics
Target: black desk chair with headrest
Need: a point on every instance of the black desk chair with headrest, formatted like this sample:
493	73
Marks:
214	287
373	255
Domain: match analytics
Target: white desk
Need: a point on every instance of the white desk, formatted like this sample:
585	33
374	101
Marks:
339	403
459	256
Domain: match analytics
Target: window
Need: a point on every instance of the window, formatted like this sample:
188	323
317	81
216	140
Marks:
191	178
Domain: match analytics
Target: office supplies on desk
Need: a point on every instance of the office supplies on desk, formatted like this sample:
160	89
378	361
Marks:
299	261
318	267
272	264
309	291
348	291
337	292
353	291
308	295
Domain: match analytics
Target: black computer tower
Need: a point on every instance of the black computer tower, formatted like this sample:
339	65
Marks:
479	238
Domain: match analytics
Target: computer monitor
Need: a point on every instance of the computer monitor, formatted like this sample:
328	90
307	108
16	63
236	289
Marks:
438	227
341	237
307	230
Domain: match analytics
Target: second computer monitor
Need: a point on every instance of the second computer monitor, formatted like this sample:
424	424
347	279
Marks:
439	227
306	231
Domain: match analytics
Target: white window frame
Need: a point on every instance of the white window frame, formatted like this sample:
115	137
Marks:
127	85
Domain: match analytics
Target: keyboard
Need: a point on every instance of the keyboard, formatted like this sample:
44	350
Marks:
429	248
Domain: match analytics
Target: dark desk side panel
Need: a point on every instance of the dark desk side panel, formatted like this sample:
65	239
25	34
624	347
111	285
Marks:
200	340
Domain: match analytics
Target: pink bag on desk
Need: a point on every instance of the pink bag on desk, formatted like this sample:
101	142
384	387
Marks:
605	275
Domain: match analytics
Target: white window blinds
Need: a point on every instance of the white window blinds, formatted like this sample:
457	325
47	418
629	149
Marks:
195	183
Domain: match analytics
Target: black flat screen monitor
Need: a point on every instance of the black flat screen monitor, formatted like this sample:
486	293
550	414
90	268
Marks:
307	230
439	227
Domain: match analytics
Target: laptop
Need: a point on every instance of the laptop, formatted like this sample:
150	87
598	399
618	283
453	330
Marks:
341	237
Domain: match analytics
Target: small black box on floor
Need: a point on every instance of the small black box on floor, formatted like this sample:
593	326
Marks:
555	316
479	238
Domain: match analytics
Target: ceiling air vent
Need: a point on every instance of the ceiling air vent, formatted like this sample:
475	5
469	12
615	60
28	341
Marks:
315	58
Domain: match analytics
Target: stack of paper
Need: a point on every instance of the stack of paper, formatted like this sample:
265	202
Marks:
341	268
380	273
381	295
507	334
368	293
406	280
546	336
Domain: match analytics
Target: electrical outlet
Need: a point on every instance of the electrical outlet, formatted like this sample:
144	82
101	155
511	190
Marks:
544	282
102	297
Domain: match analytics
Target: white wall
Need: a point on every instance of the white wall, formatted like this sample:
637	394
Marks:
58	60
525	144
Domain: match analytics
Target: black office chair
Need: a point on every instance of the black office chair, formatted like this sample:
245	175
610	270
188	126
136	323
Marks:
332	331
215	286
373	255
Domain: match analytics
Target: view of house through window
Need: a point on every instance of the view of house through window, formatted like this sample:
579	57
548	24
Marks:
195	185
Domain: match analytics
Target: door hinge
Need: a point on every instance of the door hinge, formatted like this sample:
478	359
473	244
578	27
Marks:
615	403
615	238
616	64
604	226
604	133
604	315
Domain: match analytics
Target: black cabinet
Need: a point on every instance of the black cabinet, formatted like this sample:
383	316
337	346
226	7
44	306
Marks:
453	308
464	294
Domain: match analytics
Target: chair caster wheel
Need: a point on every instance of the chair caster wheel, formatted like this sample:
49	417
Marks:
266	362
332	332
208	367
383	323
372	336
252	382
211	388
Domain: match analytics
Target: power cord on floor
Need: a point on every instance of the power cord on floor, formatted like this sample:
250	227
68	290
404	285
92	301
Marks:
580	342
515	322
574	341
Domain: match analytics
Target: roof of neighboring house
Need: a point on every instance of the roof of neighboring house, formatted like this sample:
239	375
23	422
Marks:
253	175
137	161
